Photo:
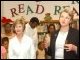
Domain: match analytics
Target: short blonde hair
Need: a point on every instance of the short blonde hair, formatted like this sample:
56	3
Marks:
19	21
69	13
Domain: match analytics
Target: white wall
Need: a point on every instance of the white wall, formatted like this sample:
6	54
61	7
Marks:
49	7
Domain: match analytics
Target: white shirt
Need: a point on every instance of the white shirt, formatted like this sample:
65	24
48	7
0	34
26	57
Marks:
59	47
21	50
32	33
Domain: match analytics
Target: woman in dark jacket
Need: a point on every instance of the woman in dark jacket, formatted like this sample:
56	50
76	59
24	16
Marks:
64	42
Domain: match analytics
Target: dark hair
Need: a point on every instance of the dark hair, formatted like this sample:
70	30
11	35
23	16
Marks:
34	19
7	24
4	39
40	43
49	27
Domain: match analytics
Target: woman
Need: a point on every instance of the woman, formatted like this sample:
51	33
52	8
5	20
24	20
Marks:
20	46
7	28
51	29
65	42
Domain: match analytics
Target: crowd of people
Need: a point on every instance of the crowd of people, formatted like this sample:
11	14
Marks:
20	40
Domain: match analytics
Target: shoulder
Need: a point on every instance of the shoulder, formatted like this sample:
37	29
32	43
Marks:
27	38
73	30
35	29
55	33
27	25
3	50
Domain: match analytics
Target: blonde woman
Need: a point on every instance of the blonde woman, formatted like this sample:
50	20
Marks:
20	46
64	42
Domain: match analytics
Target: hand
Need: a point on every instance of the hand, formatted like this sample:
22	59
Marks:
70	47
45	44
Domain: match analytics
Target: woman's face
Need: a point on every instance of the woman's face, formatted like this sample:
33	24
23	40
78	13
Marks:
51	29
8	27
5	44
18	29
65	19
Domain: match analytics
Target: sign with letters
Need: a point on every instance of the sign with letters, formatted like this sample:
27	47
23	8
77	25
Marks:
28	9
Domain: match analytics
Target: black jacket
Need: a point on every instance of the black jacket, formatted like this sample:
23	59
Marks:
72	37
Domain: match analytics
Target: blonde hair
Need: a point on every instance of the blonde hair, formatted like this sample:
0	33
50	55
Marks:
19	21
69	13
